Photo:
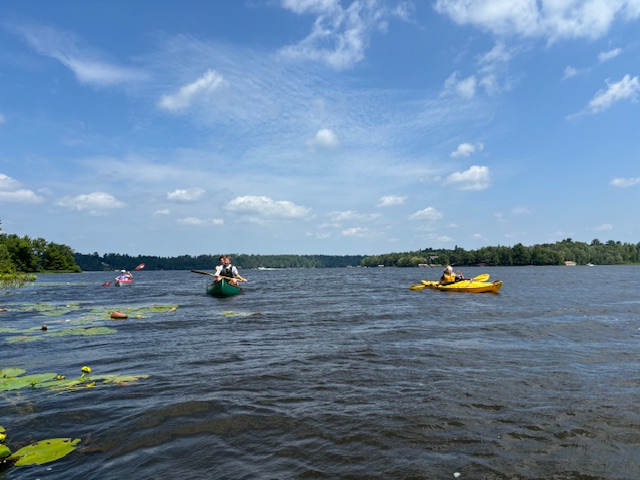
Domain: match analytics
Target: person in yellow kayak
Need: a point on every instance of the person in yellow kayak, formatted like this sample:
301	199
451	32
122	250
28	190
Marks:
228	271
448	277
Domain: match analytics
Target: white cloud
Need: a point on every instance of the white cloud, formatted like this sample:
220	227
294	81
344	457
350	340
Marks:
80	59
429	214
350	216
355	232
605	227
467	149
325	138
10	192
475	178
339	36
186	195
265	207
606	56
391	200
554	20
570	72
197	222
201	88
164	211
3	119
521	211
625	89
625	182
95	202
465	88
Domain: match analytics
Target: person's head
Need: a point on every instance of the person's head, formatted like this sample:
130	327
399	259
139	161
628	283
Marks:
221	259
227	260
123	271
449	268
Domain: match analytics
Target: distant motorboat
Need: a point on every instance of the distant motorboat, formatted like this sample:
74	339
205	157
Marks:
590	265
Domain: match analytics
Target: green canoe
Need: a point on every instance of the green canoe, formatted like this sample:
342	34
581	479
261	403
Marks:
223	288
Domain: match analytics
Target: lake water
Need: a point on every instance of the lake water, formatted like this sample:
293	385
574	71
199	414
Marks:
335	374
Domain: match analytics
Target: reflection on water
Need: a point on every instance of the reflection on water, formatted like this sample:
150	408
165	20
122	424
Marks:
336	373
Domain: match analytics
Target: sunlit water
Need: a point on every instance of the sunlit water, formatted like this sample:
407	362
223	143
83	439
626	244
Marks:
339	374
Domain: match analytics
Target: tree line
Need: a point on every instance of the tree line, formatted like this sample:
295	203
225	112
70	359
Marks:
27	255
596	252
609	253
114	261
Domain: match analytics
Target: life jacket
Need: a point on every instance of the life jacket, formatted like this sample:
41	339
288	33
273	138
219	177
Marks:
227	271
448	277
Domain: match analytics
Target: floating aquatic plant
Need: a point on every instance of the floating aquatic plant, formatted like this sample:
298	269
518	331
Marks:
75	315
13	379
37	453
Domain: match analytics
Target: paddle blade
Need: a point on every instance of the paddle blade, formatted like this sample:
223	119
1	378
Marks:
481	278
106	284
417	287
140	267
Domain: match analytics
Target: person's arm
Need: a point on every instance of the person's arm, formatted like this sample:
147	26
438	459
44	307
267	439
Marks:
237	275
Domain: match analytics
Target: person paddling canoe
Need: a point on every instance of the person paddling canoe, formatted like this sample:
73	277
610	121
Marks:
228	271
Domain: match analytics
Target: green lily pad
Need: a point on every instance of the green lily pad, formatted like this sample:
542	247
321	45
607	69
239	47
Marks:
44	451
16	383
85	331
23	339
4	451
11	372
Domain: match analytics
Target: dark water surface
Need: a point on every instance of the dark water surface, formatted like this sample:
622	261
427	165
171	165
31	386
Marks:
343	374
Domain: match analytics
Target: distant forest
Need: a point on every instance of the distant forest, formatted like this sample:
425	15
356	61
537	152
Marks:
113	261
597	253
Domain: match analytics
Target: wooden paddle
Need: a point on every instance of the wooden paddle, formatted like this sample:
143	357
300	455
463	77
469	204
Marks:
214	275
203	273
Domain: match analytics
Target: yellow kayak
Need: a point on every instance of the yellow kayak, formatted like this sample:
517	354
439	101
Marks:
472	286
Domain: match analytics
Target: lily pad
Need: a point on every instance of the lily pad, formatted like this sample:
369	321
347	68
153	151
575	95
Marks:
11	372
44	451
18	382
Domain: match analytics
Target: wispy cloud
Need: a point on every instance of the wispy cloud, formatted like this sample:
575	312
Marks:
351	216
83	61
611	54
186	195
198	222
391	200
625	182
339	36
265	207
202	88
11	192
96	203
625	89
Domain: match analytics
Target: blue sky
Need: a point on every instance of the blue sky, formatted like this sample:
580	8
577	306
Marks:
319	126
